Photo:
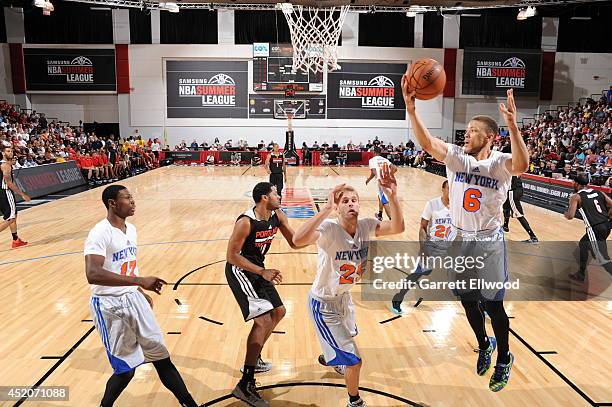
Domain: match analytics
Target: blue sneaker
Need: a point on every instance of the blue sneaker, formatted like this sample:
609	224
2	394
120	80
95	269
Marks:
501	375
484	357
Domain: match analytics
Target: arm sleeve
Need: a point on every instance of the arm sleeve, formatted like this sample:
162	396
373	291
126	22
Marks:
427	212
96	242
324	230
371	225
454	159
502	170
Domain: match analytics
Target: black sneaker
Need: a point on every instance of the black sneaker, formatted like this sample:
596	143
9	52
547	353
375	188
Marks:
248	394
484	357
501	375
260	367
396	307
358	403
506	228
532	240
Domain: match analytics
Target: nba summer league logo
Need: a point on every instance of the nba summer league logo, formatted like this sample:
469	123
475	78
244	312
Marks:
79	70
378	92
510	73
218	90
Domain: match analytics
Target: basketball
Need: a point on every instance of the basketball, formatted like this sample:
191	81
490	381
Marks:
427	78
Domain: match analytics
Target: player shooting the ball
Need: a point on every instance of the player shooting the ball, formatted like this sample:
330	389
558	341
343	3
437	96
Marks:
479	179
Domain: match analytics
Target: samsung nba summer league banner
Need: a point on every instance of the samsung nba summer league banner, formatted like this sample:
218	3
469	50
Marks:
493	71
207	89
366	91
70	70
48	179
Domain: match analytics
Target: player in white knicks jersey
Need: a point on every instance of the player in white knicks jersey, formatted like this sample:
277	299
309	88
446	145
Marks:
434	230
121	311
479	179
376	164
342	248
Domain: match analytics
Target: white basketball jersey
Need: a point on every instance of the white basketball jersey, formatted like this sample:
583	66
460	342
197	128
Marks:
376	163
341	258
478	189
119	251
439	219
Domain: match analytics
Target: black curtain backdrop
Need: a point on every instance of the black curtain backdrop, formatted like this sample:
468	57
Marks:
585	35
386	30
189	27
433	27
69	23
500	29
261	26
140	26
2	26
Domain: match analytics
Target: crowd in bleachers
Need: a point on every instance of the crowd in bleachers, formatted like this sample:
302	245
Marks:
573	140
36	141
403	154
576	139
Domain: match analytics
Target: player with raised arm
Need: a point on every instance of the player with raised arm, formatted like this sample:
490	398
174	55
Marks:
342	250
479	179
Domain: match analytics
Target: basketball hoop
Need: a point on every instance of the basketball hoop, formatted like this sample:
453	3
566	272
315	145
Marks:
314	34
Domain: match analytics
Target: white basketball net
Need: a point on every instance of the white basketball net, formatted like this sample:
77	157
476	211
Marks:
314	35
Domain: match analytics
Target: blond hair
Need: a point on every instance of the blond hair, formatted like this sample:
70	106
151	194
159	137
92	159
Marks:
347	188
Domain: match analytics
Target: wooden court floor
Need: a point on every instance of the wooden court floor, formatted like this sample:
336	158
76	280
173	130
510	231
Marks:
184	217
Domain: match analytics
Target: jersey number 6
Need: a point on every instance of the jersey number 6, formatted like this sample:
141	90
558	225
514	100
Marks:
471	201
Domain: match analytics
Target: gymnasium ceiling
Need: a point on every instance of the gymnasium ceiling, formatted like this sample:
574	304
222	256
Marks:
363	5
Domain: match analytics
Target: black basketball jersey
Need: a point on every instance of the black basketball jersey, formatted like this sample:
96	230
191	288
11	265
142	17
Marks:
516	183
593	207
259	240
276	163
4	185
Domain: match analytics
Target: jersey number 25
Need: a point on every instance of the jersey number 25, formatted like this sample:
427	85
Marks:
348	273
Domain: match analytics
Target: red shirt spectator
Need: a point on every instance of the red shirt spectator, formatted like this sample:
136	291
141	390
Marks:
86	162
104	159
96	160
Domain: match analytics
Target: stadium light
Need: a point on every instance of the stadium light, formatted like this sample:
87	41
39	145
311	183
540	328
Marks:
171	7
525	13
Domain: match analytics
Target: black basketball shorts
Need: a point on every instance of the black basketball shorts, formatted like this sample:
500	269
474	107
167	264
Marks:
255	295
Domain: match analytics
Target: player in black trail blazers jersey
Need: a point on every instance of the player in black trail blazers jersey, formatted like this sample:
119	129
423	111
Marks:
513	207
277	168
8	189
594	207
253	284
